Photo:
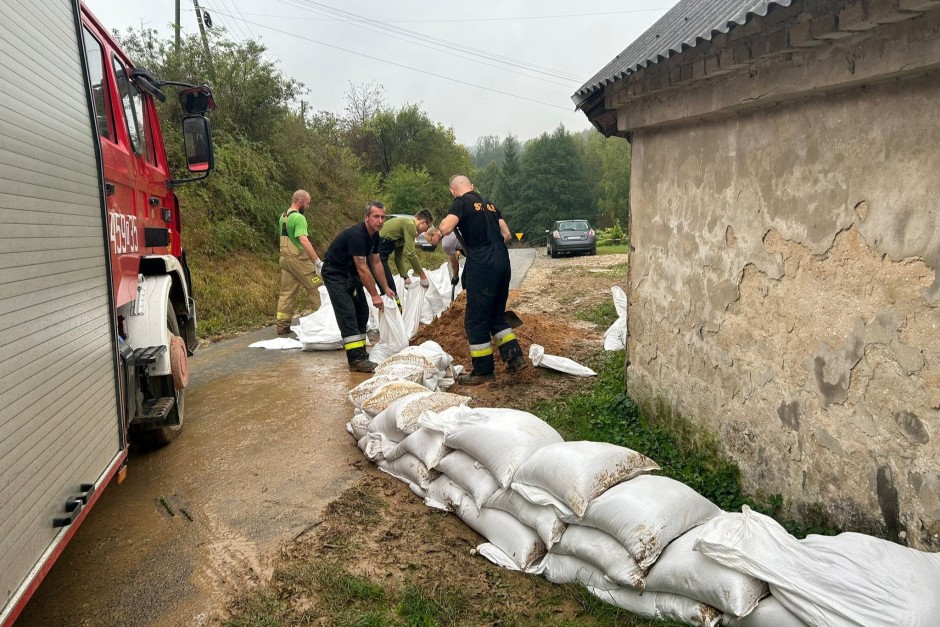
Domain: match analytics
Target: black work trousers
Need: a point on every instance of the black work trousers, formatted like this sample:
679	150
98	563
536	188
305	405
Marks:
486	308
348	298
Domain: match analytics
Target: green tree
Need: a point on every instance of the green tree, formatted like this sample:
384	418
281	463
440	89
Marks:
506	188
488	150
554	185
407	190
607	163
485	181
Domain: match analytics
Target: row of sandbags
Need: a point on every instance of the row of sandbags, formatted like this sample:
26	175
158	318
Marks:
592	513
420	305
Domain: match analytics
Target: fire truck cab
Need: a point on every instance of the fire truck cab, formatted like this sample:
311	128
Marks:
97	316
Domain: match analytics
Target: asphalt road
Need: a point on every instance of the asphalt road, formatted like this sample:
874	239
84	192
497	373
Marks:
263	450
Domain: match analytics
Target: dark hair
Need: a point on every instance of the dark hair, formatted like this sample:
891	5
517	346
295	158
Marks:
373	203
425	214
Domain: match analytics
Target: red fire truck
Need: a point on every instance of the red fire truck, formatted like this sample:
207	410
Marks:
97	317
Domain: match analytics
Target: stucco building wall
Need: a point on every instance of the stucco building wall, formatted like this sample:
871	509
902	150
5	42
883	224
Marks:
785	286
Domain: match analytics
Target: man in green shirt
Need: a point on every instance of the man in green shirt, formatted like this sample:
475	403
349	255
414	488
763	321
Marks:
397	238
299	262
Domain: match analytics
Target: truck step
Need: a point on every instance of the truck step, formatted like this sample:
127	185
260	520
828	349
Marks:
157	412
146	355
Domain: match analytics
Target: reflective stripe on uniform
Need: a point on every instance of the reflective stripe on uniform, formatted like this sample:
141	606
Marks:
284	316
506	335
351	342
481	350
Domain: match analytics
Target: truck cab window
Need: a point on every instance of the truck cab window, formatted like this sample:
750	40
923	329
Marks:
133	108
99	88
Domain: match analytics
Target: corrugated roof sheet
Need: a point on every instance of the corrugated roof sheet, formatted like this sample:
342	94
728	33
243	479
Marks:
684	26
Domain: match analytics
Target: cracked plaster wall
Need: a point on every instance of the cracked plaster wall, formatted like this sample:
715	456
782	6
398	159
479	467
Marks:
785	292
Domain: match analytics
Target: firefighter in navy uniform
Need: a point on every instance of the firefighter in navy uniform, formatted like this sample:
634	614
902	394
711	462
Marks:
350	264
486	274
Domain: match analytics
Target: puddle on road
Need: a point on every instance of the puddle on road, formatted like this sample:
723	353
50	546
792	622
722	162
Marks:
263	450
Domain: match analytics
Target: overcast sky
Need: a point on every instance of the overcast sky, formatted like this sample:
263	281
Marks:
486	67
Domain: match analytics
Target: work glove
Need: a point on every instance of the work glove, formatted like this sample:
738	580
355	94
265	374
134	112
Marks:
425	283
318	266
407	280
454	280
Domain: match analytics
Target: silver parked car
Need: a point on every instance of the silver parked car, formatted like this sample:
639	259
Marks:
571	236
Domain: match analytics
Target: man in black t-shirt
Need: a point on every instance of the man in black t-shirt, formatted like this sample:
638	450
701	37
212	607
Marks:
486	274
346	271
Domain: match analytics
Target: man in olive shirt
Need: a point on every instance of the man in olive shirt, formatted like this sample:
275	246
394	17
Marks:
397	238
299	262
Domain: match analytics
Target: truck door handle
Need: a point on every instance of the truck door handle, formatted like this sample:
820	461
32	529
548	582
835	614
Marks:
74	505
154	201
109	189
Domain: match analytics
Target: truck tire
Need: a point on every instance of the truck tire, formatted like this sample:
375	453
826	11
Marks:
164	386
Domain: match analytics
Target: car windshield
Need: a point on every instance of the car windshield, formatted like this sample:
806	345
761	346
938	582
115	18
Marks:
573	225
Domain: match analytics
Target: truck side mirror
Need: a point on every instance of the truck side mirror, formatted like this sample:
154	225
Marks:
197	100
197	140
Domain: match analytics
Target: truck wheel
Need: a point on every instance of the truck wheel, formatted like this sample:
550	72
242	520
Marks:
164	386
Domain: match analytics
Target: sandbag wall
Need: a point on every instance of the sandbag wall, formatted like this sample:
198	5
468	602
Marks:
593	513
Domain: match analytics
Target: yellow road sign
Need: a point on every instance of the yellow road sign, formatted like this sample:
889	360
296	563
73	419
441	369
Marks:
519	236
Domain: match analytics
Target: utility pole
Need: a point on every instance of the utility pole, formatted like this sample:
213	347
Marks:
205	41
176	27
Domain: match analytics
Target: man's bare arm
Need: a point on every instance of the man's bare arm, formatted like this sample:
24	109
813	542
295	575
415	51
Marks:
504	229
308	247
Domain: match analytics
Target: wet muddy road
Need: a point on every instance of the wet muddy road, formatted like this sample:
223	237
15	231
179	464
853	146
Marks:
263	450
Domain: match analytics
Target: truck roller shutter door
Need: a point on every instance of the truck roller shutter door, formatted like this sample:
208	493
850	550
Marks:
60	425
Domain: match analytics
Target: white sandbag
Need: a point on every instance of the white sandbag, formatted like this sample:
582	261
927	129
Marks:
319	330
425	444
408	359
684	571
554	362
445	495
441	280
496	556
407	372
562	569
569	475
542	518
432	351
470	475
517	541
409	469
604	551
768	613
278	343
388	393
412	302
847	580
358	426
358	395
392	333
647	513
433	305
660	606
386	422
376	443
408	418
363	442
500	439
615	338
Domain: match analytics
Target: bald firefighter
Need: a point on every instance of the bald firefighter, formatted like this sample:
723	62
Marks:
486	274
299	262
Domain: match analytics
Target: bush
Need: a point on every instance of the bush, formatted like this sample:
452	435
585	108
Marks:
612	236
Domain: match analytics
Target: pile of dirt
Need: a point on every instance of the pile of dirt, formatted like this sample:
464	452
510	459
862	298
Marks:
557	335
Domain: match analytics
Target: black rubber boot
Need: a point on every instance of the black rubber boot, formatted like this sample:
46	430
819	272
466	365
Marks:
358	360
511	353
482	371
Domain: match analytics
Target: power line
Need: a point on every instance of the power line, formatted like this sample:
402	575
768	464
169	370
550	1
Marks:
321	8
438	48
407	67
469	19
